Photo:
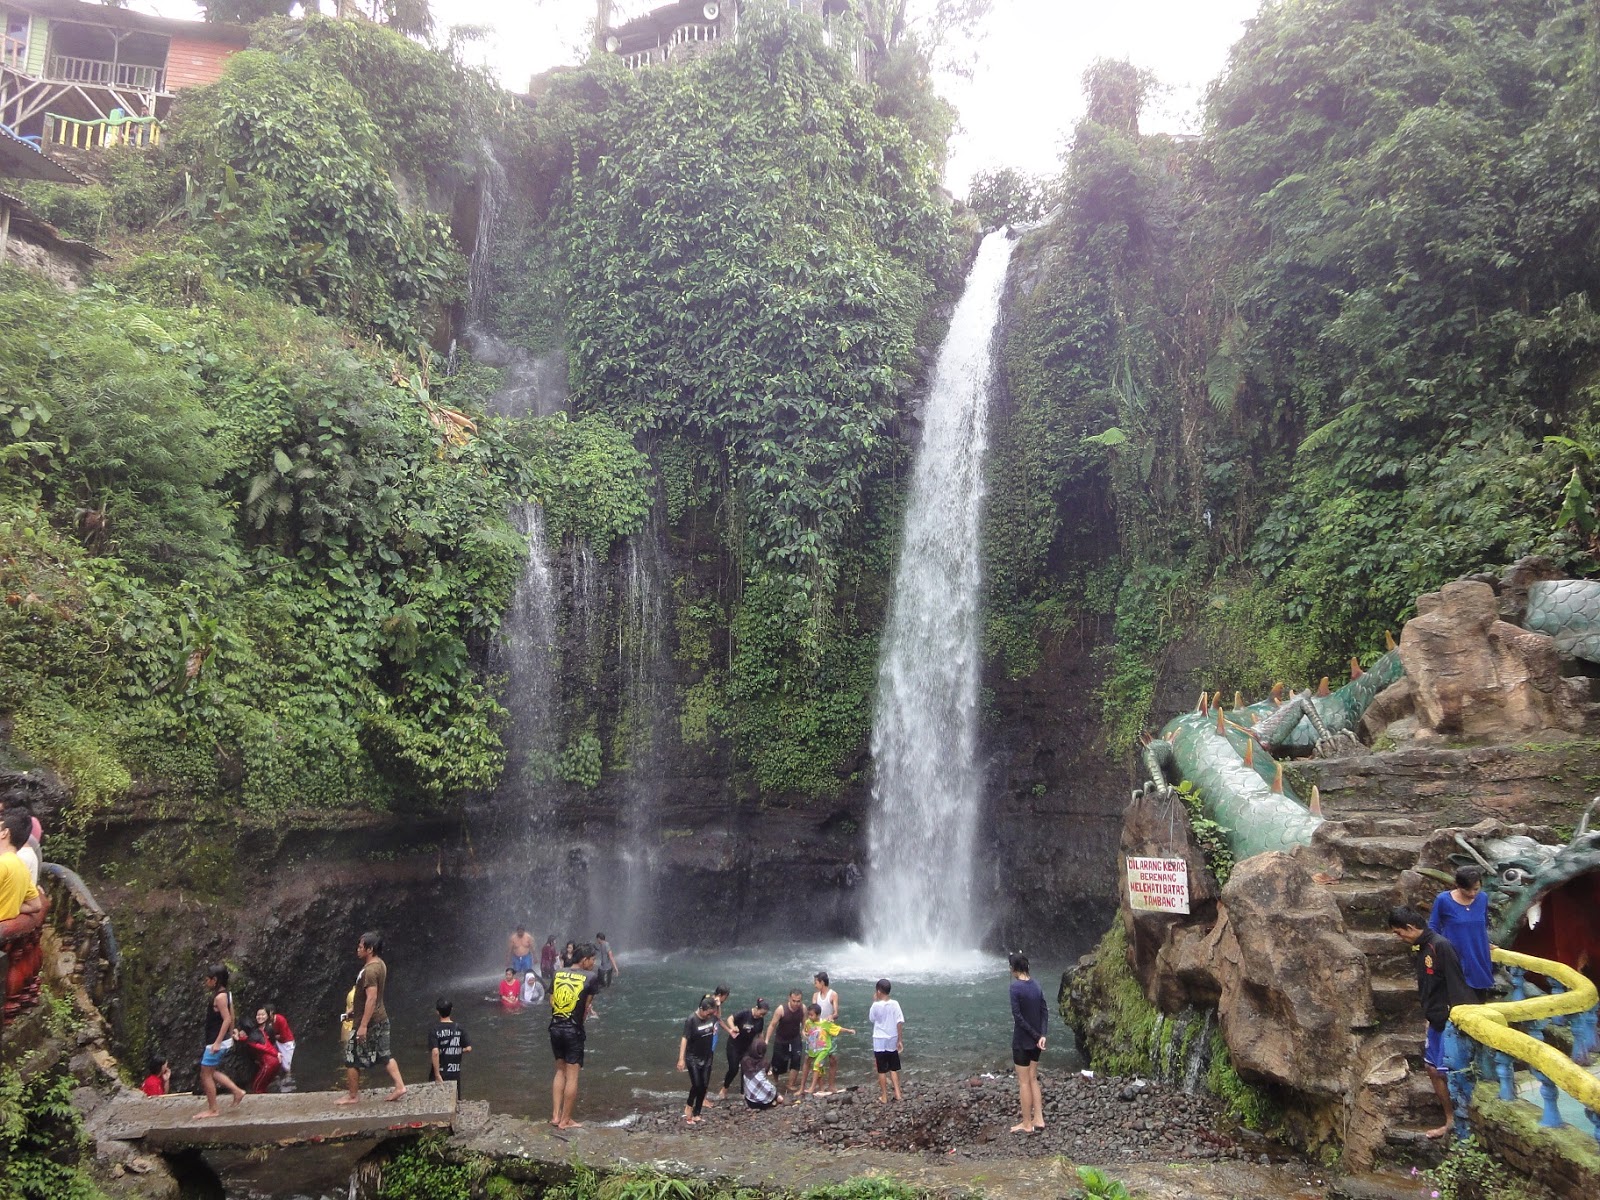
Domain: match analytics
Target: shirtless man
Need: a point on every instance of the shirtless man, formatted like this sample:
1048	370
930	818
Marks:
519	951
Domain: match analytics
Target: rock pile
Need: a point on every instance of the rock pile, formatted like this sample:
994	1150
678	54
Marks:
1100	1119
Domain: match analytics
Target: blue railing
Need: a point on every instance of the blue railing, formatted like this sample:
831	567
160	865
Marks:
1514	1030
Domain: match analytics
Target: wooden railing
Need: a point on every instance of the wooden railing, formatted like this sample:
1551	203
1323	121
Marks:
118	130
106	73
645	58
694	33
13	52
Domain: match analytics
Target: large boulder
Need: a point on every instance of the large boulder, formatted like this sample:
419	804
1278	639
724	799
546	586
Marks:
1156	825
1475	675
1293	986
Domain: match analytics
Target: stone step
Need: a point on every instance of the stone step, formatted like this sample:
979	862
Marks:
1395	852
1365	903
1396	996
1380	946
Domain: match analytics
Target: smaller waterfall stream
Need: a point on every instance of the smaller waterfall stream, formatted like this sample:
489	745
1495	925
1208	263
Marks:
531	385
640	629
525	652
927	782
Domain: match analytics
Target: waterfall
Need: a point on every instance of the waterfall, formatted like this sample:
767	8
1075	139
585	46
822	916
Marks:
926	780
525	652
530	384
640	627
491	195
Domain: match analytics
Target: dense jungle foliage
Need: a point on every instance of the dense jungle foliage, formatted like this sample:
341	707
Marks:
1332	353
250	551
744	252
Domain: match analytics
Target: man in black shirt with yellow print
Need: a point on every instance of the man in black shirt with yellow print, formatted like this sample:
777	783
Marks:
570	993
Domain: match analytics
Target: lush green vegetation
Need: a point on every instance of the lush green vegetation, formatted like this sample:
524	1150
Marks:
743	252
42	1141
1334	353
428	1169
245	555
251	556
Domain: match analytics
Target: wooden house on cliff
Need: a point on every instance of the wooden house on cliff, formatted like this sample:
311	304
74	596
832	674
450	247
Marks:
686	28
87	75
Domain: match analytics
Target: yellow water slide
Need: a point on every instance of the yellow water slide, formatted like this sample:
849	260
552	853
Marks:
1491	1024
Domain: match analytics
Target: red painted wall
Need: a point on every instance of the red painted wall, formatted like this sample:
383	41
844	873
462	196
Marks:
1569	927
192	62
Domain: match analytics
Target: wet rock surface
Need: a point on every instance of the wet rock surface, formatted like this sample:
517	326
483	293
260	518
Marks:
1100	1119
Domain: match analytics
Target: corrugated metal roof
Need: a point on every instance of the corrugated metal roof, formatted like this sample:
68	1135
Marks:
21	159
123	18
36	228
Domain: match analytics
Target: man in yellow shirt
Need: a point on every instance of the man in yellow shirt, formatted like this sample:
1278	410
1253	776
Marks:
18	895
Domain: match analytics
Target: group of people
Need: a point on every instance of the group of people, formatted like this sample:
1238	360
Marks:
21	905
1454	966
800	1038
268	1040
521	986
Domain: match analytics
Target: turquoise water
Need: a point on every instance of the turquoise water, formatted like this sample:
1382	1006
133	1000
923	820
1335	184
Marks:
958	1022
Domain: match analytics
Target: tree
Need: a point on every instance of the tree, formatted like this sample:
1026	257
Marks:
245	12
1005	197
933	27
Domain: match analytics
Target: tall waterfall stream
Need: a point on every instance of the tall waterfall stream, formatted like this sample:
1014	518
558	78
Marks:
927	783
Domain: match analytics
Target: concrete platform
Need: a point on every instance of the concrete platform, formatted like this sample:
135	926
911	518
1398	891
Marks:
280	1119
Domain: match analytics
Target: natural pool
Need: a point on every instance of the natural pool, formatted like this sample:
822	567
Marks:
958	1022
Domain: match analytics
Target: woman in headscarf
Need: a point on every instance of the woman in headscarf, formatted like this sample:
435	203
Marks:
759	1090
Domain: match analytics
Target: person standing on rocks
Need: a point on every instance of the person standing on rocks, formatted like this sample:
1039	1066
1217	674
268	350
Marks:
571	991
1030	1021
826	999
368	1045
819	1035
1441	986
1461	917
696	1049
888	1039
743	1028
783	1035
219	1040
519	951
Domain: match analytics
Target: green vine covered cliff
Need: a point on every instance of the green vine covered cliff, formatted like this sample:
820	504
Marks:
1331	353
248	553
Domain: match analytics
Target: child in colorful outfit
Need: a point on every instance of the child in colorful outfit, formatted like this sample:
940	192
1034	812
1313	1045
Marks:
818	1036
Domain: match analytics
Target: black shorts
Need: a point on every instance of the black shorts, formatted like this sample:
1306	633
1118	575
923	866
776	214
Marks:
605	977
787	1056
1023	1055
887	1060
566	1043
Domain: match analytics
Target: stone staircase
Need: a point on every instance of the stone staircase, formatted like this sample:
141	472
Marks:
1367	858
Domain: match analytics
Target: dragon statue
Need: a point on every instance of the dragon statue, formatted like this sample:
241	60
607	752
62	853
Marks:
1229	756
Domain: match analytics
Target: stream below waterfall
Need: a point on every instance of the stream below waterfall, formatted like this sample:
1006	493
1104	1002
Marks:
958	1023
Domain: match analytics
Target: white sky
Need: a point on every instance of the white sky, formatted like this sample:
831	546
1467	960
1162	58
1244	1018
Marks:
1021	102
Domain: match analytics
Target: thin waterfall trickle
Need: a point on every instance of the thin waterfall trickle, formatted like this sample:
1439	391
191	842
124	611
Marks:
525	652
531	385
927	783
640	630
